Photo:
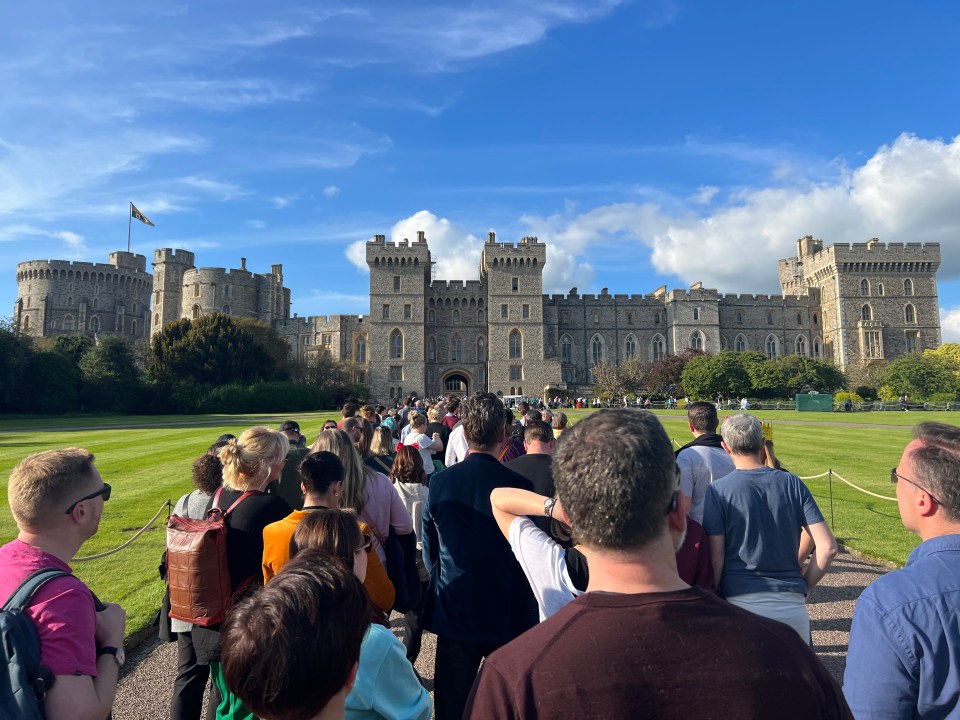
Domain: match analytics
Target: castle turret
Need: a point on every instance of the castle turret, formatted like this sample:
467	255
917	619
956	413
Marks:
168	269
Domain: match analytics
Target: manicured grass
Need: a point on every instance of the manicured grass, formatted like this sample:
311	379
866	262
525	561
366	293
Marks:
147	460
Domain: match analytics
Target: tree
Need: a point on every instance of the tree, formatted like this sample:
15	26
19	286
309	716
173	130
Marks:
277	347
15	352
801	374
49	384
664	378
707	376
947	356
608	381
111	378
212	349
918	375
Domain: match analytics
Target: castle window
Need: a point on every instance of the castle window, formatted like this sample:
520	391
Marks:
431	375
696	340
656	319
696	313
68	323
908	287
866	314
360	350
515	284
817	348
226	291
386	311
865	287
629	318
739	318
196	290
814	318
196	311
630	347
96	303
432	316
26	323
94	324
226	309
396	344
456	317
407	312
657	348
456	349
772	346
480	316
596	317
880	289
360	377
516	372
481	351
305	341
396	283
133	327
566	350
569	375
503	311
596	349
909	314
156	321
799	319
526	312
801	345
872	345
913	340
432	350
156	298
396	373
327	339
516	344
769	318
740	344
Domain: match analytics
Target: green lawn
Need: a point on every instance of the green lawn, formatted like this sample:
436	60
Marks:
147	460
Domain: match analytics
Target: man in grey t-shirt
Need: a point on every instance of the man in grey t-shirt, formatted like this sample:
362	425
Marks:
702	461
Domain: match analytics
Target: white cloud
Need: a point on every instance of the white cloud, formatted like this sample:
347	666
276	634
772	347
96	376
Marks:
256	224
331	191
74	244
950	325
280	202
217	188
705	194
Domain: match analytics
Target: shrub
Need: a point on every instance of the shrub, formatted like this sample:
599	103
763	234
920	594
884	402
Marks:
841	397
942	397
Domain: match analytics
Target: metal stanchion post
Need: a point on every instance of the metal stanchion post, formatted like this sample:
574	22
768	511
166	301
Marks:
832	520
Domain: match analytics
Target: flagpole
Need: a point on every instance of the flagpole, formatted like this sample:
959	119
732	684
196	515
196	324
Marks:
129	218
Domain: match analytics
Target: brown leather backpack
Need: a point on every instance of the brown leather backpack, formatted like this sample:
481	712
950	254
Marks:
197	571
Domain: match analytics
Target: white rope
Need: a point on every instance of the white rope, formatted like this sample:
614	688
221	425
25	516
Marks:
814	477
139	532
867	492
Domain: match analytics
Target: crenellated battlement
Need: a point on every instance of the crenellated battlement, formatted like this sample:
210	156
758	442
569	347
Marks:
178	255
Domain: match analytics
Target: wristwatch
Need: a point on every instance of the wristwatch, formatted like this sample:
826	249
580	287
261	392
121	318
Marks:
548	506
117	653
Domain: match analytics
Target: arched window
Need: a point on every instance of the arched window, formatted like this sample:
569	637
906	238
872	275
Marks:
799	319
456	317
909	314
133	327
156	320
769	318
908	287
94	324
566	350
630	347
481	351
226	309
432	316
817	348
516	345
26	323
814	318
196	311
396	345
596	349
696	340
431	350
657	348
740	344
866	314
801	345
360	350
772	346
480	317
696	313
880	289
865	287
656	319
68	322
739	318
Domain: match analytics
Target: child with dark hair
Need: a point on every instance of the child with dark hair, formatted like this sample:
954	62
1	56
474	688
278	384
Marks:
271	640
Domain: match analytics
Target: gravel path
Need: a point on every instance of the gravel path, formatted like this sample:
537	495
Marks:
146	685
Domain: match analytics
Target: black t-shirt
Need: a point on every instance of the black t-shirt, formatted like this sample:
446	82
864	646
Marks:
669	656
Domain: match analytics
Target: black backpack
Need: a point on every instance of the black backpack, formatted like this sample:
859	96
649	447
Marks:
25	682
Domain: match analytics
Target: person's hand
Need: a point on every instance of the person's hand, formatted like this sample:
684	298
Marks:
436	436
111	623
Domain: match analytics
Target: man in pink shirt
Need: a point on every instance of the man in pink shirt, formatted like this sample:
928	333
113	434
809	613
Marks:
57	498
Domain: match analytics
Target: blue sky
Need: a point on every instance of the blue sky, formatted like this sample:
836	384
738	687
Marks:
647	142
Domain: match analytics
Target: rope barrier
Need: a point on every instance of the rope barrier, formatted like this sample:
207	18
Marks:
867	492
815	477
166	505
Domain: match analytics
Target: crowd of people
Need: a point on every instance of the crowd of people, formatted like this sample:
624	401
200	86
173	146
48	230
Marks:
581	571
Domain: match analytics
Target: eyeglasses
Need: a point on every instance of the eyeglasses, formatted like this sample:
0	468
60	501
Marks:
105	491
675	497
330	426
894	476
367	545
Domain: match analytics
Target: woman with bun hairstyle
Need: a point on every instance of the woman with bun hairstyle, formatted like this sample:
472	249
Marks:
250	463
366	492
386	687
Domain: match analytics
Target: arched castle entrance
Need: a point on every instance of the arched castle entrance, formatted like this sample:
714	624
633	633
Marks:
456	383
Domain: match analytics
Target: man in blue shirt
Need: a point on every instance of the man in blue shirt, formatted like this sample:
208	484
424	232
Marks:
904	656
753	517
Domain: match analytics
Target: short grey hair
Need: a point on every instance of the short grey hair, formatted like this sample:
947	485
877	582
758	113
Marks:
743	434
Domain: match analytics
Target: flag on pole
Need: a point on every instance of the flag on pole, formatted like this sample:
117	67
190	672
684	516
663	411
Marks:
134	213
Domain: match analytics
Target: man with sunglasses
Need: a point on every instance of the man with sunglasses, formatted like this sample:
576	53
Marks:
904	650
57	499
640	642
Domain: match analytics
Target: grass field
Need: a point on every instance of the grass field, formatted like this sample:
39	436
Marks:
147	461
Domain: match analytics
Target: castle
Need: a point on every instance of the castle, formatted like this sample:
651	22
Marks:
850	303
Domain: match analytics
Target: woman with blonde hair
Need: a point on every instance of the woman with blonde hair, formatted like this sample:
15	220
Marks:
365	440
382	450
365	491
250	463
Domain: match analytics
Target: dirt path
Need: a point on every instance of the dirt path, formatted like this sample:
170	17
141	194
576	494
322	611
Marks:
147	682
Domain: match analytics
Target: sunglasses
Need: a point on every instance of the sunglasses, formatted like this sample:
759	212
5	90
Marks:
330	426
367	544
105	491
894	476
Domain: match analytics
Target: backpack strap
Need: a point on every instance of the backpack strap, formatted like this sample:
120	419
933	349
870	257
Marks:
381	463
34	581
229	510
505	449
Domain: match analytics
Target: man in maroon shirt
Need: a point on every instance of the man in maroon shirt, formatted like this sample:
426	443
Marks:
641	642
